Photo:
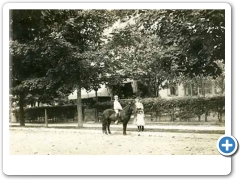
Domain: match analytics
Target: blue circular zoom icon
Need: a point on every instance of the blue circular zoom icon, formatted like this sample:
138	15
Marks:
227	145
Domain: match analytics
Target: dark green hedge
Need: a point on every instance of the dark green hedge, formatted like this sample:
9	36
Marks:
54	113
101	106
183	108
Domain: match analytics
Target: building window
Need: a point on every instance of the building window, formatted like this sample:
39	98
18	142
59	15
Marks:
173	91
191	90
208	88
205	88
200	89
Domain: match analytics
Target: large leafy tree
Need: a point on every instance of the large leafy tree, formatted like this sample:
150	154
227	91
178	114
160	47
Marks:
142	58
200	35
27	68
56	51
162	45
82	35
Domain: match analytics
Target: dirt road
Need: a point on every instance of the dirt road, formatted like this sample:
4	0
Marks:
44	141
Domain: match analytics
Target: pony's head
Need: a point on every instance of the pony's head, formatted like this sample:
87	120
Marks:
131	107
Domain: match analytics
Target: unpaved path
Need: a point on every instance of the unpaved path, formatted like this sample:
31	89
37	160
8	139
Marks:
45	141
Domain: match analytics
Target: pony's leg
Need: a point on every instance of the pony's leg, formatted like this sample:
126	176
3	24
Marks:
104	125
108	126
124	128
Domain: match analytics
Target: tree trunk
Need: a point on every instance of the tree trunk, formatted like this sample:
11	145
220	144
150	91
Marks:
157	89
156	86
223	85
203	88
191	89
157	116
96	111
206	115
21	110
79	108
46	118
156	92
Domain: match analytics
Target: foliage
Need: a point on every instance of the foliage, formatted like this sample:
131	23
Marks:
199	35
53	112
156	46
101	106
54	52
184	108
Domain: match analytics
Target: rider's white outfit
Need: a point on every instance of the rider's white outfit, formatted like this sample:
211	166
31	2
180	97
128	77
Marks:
117	106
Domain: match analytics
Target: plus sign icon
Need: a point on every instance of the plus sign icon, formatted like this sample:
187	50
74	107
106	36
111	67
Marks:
227	145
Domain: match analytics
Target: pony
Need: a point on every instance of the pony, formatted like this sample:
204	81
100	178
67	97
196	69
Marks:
109	116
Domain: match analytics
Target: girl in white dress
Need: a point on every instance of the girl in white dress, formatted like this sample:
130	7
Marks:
139	115
117	108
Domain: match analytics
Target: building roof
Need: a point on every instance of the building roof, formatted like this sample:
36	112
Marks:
103	91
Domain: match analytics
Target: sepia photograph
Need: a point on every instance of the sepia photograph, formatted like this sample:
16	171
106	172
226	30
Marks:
116	81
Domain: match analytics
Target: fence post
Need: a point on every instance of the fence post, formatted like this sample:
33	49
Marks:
46	118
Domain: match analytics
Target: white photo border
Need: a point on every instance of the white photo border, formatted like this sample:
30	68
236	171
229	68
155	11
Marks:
109	164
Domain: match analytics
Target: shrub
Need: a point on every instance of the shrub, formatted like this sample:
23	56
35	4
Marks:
58	113
182	107
101	106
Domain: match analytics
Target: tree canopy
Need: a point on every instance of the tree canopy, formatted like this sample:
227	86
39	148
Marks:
160	45
54	52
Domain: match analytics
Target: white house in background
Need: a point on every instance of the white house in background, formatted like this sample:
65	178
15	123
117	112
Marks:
103	91
179	90
183	90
